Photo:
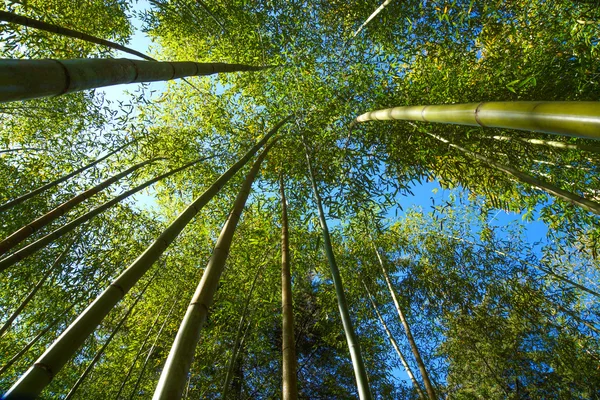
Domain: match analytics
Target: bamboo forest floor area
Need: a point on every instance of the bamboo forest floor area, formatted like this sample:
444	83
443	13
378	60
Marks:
210	199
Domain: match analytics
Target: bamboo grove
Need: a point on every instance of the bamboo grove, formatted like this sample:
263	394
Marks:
236	224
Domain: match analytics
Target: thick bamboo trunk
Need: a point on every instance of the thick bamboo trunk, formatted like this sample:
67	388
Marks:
571	118
411	341
33	23
33	341
20	235
174	375
238	336
140	350
56	182
56	356
552	143
134	392
373	15
360	372
100	352
56	234
395	346
36	288
288	343
30	79
549	188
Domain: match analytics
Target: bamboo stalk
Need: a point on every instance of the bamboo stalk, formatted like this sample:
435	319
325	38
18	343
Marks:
411	341
56	356
140	350
552	143
44	26
151	350
571	118
100	352
238	336
360	372
49	185
373	15
36	288
56	234
549	188
33	341
394	344
23	233
174	375
288	343
30	79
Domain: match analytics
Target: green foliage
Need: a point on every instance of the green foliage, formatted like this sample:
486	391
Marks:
488	318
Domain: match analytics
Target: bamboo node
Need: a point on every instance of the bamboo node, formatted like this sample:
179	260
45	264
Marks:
67	78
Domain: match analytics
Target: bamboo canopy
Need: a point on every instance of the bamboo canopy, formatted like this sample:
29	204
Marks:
571	118
30	79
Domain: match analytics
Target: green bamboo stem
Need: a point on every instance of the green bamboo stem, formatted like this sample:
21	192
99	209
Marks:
100	352
288	343
30	79
411	341
549	188
44	26
26	231
174	375
140	350
56	356
56	182
56	234
7	324
373	15
544	269
33	341
552	143
394	344
17	149
360	372
578	119
134	392
238	336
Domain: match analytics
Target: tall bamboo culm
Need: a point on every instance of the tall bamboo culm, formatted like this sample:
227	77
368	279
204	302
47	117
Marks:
43	188
175	372
571	118
23	233
63	230
360	373
32	382
30	79
288	343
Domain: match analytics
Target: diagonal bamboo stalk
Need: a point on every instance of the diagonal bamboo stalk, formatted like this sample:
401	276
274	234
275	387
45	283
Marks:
100	352
360	373
174	375
394	344
23	233
56	182
140	350
411	341
571	118
238	335
551	143
49	238
549	188
134	391
44	26
56	356
373	15
30	79
36	288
